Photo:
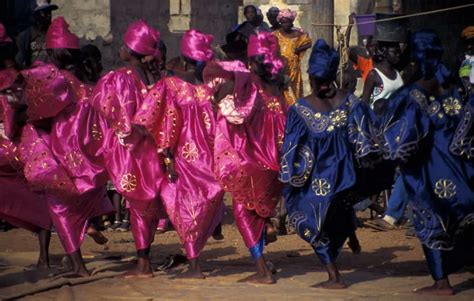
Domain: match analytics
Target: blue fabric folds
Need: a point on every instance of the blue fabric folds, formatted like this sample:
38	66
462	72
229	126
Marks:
320	165
425	133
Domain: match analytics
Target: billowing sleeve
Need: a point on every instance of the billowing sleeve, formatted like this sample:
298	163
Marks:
160	114
116	97
405	125
47	92
362	133
238	106
298	158
463	140
40	167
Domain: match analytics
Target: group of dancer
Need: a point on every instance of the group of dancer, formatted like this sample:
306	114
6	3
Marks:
173	142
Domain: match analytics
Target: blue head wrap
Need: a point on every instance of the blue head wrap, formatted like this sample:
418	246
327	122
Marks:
323	62
427	52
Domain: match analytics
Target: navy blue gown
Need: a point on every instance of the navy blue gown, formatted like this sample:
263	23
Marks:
326	168
429	137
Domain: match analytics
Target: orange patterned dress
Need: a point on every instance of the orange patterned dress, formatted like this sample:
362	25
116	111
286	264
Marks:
293	71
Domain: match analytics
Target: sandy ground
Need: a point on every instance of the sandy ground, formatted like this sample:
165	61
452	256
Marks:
390	266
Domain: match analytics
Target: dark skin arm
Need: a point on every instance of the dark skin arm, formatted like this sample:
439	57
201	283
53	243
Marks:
168	160
302	48
369	86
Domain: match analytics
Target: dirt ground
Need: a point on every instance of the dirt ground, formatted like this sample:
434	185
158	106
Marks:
389	268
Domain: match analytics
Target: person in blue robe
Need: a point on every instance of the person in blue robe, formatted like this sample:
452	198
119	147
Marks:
425	130
330	152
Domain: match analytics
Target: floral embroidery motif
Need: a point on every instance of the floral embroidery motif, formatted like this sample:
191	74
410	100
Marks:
207	120
445	189
321	187
319	122
274	106
338	118
128	182
452	106
73	159
96	133
201	93
190	152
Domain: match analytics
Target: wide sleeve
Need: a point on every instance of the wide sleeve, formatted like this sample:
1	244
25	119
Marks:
463	139
405	125
47	92
297	156
40	167
363	136
161	115
116	97
239	105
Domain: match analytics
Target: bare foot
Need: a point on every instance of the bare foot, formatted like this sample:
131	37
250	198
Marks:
142	270
135	273
332	284
257	278
435	290
42	265
194	271
97	236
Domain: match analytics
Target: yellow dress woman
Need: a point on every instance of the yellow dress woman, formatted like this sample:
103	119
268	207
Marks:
293	44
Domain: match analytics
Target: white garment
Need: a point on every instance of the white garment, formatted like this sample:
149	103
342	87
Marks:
388	86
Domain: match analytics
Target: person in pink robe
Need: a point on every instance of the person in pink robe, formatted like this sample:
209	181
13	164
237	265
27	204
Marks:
130	153
249	134
20	204
178	112
58	146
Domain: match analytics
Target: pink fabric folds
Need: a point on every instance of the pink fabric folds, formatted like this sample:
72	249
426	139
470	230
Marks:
179	116
47	92
7	117
197	45
20	204
7	78
4	38
77	137
130	158
71	215
143	39
144	218
266	44
247	160
41	168
286	13
59	36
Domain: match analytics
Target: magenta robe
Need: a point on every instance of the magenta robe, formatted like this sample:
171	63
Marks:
20	204
56	160
249	135
180	117
130	158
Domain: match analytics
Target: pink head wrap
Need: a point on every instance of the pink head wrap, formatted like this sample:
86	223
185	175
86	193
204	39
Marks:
143	39
4	38
197	45
59	36
266	44
286	13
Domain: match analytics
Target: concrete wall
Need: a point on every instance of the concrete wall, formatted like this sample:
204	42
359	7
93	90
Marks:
88	18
